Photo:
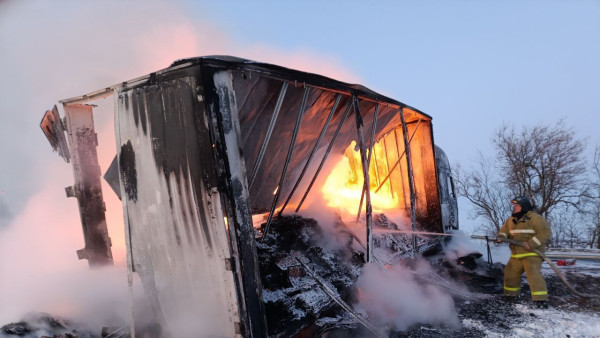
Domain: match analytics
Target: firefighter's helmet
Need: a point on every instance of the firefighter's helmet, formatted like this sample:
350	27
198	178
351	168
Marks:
524	202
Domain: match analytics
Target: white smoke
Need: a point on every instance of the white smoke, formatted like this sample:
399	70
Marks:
61	49
53	51
396	299
40	270
5	213
459	246
399	296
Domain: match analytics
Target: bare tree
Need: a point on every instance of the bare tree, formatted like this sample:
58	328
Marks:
558	232
482	187
545	163
566	228
593	231
542	162
595	205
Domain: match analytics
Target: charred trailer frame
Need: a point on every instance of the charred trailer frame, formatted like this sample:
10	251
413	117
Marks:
208	142
80	150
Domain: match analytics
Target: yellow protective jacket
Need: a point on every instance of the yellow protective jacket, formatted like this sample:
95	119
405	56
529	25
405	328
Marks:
531	228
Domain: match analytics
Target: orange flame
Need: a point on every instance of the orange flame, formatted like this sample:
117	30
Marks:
343	187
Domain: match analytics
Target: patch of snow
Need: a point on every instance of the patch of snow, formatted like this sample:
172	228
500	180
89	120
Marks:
544	323
556	323
314	300
272	296
584	267
473	323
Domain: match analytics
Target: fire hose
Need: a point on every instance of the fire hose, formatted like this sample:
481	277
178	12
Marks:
511	241
554	267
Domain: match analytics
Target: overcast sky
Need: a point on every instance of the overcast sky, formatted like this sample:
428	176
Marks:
471	65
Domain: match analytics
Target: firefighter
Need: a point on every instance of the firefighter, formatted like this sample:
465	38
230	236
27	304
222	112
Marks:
533	230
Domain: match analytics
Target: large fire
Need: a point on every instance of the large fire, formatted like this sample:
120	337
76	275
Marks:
344	185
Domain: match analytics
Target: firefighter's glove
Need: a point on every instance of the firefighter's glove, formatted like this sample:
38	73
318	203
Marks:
526	246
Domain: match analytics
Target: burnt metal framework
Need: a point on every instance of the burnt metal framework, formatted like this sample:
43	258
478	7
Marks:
312	153
287	159
263	148
411	181
365	186
367	181
81	152
325	156
400	156
226	103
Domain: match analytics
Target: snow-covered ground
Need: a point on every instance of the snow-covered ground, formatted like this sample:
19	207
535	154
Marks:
485	314
550	322
567	316
585	267
557	321
589	267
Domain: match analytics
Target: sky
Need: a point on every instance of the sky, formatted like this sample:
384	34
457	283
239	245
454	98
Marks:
471	65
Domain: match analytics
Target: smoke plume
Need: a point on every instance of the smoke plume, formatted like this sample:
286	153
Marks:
394	298
61	49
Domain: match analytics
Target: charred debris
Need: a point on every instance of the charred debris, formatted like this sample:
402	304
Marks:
45	325
209	144
305	277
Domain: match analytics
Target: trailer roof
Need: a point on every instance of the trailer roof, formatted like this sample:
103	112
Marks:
265	69
275	71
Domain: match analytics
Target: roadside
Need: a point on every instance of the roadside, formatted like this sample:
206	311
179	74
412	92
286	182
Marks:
485	314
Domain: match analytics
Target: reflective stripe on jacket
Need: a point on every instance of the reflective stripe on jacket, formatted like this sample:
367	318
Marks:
531	228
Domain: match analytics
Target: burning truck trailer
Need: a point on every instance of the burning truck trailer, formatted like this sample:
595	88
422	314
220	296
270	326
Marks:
218	156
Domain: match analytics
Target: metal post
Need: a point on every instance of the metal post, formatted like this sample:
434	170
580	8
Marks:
489	252
314	150
288	159
87	188
365	167
337	131
263	148
362	195
221	109
413	215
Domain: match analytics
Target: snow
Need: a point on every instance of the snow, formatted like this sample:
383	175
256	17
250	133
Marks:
588	267
584	267
552	322
545	323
